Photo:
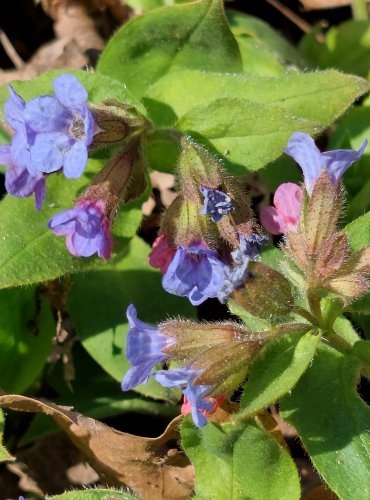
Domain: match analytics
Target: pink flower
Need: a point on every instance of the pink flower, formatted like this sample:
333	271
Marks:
284	216
186	406
162	254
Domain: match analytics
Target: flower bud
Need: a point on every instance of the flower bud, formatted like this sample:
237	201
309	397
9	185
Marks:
115	123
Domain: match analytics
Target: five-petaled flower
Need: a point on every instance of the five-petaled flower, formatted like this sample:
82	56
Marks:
59	128
86	228
162	254
195	272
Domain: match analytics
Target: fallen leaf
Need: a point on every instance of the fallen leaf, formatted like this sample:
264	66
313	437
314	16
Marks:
121	458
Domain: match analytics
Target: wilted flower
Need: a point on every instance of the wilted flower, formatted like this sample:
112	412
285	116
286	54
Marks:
284	216
302	148
86	227
216	203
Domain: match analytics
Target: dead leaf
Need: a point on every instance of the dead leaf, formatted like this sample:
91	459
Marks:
121	458
324	4
26	483
321	492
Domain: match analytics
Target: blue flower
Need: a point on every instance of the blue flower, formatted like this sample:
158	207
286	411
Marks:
216	203
195	394
86	227
236	274
143	350
195	272
18	180
302	148
59	128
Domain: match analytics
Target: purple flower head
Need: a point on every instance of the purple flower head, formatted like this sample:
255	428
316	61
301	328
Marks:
195	394
143	350
237	272
195	272
302	148
216	203
19	182
59	128
86	227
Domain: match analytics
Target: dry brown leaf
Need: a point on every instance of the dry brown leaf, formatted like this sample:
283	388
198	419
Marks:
121	458
26	483
324	4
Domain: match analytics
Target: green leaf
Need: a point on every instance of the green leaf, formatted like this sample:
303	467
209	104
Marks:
92	393
263	50
238	463
276	370
333	422
146	5
29	251
26	330
4	455
358	233
95	494
249	119
250	321
346	47
344	328
98	301
194	36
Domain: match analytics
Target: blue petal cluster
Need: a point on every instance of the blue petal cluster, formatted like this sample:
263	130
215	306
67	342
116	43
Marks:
143	350
216	203
302	148
195	272
236	274
50	133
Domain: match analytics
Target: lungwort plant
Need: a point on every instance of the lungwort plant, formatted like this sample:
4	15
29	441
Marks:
175	90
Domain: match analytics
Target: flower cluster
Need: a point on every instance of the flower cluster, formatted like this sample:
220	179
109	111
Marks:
214	358
54	133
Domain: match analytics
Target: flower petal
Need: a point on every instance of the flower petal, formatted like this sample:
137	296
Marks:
75	160
272	221
288	202
5	155
48	152
13	109
69	92
302	148
338	161
46	114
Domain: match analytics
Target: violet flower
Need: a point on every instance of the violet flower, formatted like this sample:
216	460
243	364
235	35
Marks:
195	272
237	272
302	148
144	347
162	254
59	128
216	203
86	227
18	180
284	216
196	394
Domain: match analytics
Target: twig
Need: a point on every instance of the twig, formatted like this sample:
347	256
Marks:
10	51
292	16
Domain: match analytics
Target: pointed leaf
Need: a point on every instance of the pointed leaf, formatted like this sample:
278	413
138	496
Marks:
276	370
333	422
194	36
235	463
4	455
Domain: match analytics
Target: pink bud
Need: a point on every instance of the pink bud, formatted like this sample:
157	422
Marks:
284	216
162	254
